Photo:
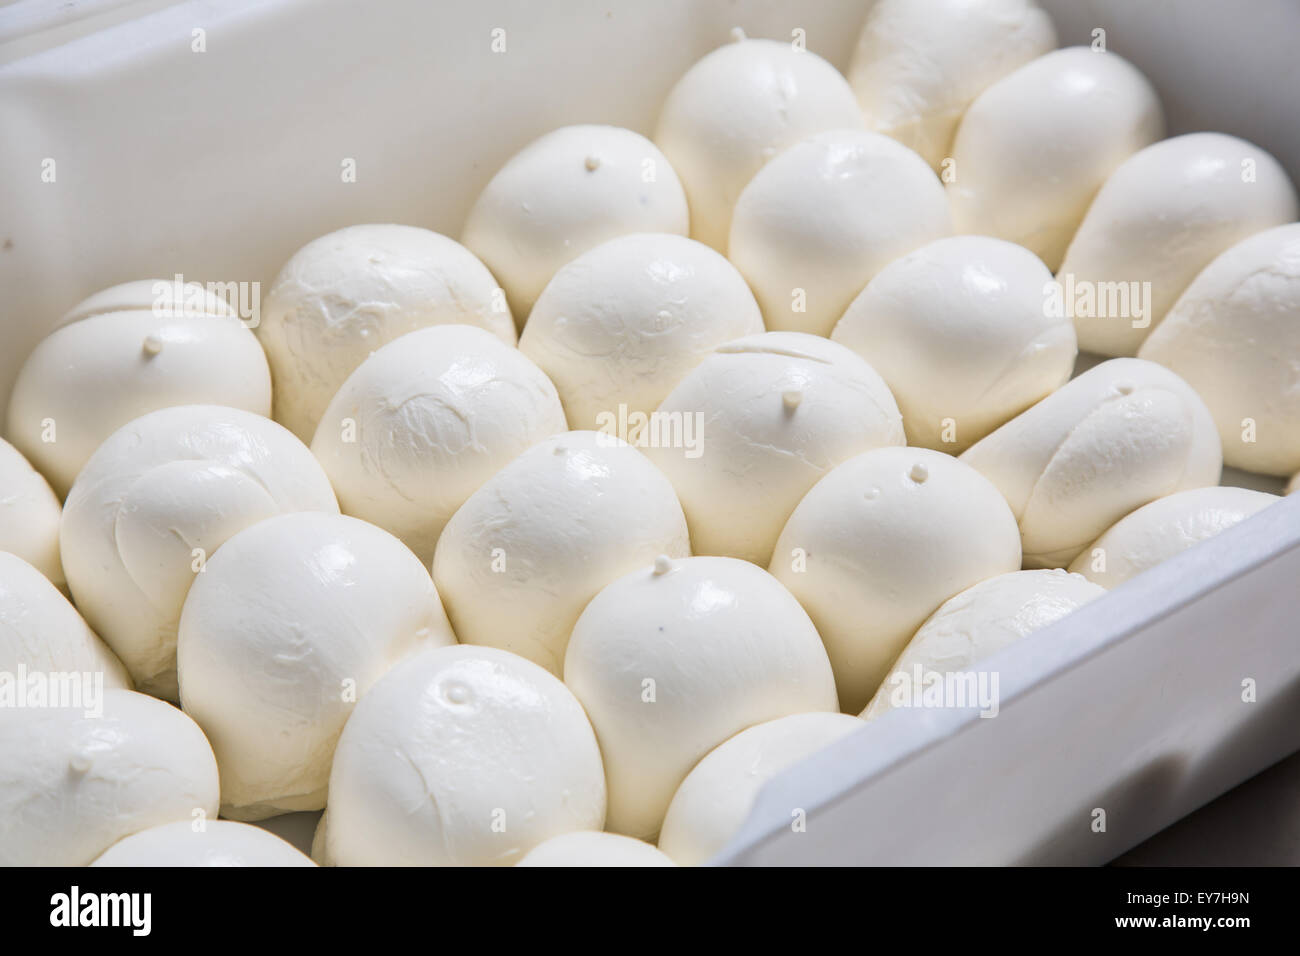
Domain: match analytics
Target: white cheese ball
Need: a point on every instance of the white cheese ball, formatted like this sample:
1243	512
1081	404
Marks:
1161	217
589	848
671	660
565	193
526	552
1294	484
1034	148
167	295
1234	336
71	785
294	619
41	631
29	514
882	541
623	323
958	331
464	756
342	296
1165	527
217	843
1121	434
918	66
774	413
153	504
978	623
717	796
823	217
424	421
734	110
88	379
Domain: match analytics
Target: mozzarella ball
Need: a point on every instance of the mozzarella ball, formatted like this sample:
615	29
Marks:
427	419
774	413
716	797
589	848
165	295
737	108
565	193
29	514
1293	485
918	66
1034	148
1165	527
1121	434
72	785
882	541
342	296
218	843
623	323
526	552
976	624
155	501
818	221
41	631
88	379
671	660
958	331
1161	217
462	756
294	619
1234	336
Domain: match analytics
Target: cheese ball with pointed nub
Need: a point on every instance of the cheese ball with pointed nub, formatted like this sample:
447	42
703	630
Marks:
346	294
1165	527
565	193
772	414
589	848
672	659
1121	434
526	552
1234	336
424	421
72	785
218	843
882	541
734	110
293	620
41	631
919	65
822	218
152	505
716	797
1034	148
974	625
1161	217
958	331
463	756
29	514
620	325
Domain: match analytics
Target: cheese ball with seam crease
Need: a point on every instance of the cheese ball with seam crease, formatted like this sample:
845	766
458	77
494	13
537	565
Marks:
71	786
716	797
294	619
882	541
343	295
143	295
1121	434
424	421
155	501
565	193
589	848
29	515
624	322
1165	527
776	412
735	109
822	218
1034	148
462	756
673	659
219	843
522	557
